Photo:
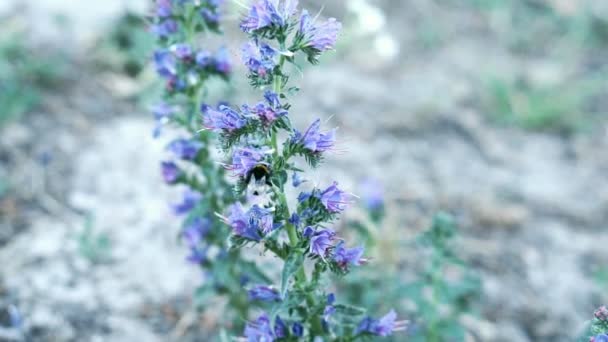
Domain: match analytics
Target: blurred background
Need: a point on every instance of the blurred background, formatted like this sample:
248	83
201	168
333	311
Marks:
493	111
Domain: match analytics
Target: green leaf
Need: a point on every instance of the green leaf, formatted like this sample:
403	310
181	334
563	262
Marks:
292	265
349	310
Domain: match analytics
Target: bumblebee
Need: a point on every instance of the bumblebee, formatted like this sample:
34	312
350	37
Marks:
258	178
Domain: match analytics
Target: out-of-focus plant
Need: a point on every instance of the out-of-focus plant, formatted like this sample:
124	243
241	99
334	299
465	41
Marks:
24	72
186	65
262	149
93	246
126	45
445	288
563	108
441	290
599	326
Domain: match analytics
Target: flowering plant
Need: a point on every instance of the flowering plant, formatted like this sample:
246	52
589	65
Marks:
599	325
298	232
185	69
219	222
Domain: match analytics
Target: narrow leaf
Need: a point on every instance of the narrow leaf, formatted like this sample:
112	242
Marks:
291	266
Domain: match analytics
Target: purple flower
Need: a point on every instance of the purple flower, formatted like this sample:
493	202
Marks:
599	338
261	219
296	180
263	293
182	51
193	234
297	329
203	58
381	327
162	114
185	148
334	199
373	194
259	60
601	313
225	118
316	141
222	61
294	219
196	230
280	329
321	37
190	200
239	221
348	256
303	196
264	13
165	28
170	172
271	110
165	64
259	330
252	223
163	8
210	16
244	159
321	241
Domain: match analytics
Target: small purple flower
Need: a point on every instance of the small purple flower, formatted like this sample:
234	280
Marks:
259	330
182	51
294	219
334	199
210	16
170	172
263	293
162	114
296	180
321	37
316	141
225	118
252	223
373	194
297	329
259	60
261	219
328	311
601	313
240	223
331	299
321	241
203	58
264	13
271	110
222	61
185	149
163	8
599	338
348	256
280	329
383	326
303	196
190	200
165	64
244	159
165	28
193	234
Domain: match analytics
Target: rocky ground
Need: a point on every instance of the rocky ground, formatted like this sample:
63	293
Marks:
531	205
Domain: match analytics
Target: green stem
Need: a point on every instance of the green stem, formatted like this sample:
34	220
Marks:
301	279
